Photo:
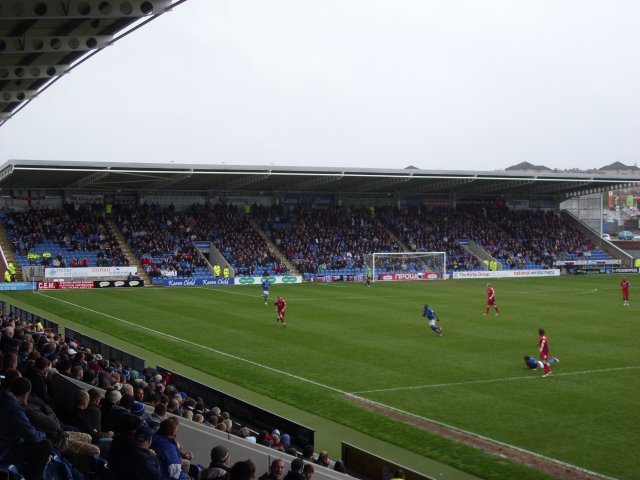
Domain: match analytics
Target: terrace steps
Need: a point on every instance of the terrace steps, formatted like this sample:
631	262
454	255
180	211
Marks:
276	251
8	253
126	249
394	237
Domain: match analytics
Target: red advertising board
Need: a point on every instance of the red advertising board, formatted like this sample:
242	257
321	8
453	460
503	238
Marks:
64	285
394	277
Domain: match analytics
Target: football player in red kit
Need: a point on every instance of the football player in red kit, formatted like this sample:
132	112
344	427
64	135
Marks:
281	307
491	300
624	285
543	347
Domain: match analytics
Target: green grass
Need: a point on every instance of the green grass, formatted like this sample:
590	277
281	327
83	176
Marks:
348	338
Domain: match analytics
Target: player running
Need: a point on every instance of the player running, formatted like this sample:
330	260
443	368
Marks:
491	300
265	289
624	285
433	318
543	347
281	307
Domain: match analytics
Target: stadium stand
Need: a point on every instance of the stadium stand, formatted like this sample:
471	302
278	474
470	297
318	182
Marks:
326	240
163	240
66	237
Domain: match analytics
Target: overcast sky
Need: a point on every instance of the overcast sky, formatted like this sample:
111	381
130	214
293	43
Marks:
455	84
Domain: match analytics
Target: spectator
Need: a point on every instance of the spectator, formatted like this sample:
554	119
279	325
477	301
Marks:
219	467
158	415
20	443
243	470
323	459
167	449
296	471
275	471
308	471
339	467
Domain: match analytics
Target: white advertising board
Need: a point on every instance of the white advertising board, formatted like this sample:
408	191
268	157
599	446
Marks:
507	274
89	272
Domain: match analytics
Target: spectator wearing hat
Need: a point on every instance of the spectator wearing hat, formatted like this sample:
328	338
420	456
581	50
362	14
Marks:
285	439
219	467
295	473
137	409
168	451
144	461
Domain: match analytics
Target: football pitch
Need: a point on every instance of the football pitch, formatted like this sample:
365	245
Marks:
345	341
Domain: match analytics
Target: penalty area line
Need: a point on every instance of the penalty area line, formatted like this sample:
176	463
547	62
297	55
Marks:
492	380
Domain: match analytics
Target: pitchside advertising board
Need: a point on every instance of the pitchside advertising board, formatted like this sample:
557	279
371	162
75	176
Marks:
507	274
204	282
89	272
195	282
397	277
17	286
275	280
84	284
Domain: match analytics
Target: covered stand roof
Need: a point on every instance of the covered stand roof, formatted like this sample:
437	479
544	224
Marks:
237	179
40	41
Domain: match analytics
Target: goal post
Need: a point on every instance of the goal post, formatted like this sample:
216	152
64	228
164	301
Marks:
402	266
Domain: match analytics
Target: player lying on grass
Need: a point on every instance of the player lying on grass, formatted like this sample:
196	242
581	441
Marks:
534	364
433	318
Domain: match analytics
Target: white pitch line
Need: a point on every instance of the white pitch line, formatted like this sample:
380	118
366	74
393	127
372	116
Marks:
204	347
473	434
328	387
506	379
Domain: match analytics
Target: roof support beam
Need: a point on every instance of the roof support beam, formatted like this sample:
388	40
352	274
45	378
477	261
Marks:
500	186
383	183
162	184
108	9
45	44
243	182
316	182
554	187
446	185
88	180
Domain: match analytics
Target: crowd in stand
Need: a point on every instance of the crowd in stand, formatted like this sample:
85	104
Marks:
314	239
317	239
229	228
162	239
544	235
74	230
115	427
434	230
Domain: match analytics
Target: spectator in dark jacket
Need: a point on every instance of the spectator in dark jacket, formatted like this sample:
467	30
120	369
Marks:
20	442
296	470
132	459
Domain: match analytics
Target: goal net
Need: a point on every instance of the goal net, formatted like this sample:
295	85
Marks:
389	267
